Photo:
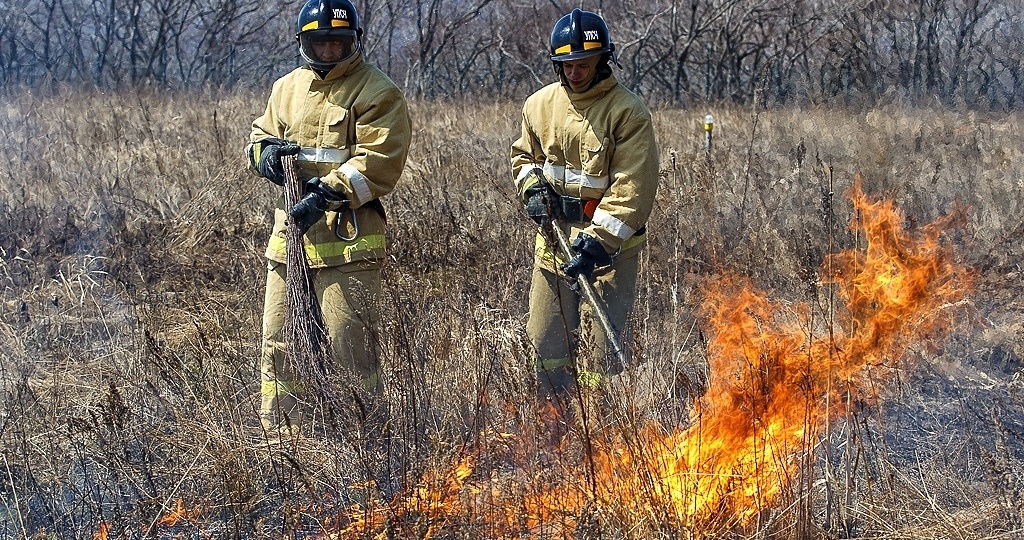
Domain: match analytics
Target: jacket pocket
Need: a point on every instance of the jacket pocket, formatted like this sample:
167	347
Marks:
595	153
336	133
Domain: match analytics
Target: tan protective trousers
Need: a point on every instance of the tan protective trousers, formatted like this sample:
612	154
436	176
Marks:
557	313
348	297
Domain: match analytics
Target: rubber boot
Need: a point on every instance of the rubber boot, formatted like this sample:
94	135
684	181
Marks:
281	418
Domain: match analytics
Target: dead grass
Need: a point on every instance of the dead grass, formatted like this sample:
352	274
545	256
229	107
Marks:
132	242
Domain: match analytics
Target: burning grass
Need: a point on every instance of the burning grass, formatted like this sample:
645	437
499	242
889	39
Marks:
777	377
778	391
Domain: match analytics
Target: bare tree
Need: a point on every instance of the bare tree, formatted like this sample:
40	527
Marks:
383	37
439	23
10	30
963	53
965	41
999	76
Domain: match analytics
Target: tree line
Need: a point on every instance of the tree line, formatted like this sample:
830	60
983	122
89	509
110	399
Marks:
677	52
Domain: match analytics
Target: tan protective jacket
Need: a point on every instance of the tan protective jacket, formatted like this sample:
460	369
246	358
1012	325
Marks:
597	145
354	129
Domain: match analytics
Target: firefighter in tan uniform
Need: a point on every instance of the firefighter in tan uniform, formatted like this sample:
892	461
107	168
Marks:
348	126
586	161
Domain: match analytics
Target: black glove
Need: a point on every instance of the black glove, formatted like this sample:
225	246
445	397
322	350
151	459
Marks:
269	164
318	199
589	254
542	206
541	201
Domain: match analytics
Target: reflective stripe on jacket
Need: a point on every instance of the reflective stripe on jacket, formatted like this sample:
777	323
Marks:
354	131
597	144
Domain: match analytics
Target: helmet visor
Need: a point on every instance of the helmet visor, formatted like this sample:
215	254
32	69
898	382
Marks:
576	55
326	48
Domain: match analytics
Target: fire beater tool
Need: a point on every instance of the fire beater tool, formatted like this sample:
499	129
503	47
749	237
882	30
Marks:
586	290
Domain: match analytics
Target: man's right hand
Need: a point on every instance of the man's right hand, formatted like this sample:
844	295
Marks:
541	201
271	151
540	206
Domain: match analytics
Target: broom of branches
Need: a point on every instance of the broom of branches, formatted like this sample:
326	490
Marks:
305	334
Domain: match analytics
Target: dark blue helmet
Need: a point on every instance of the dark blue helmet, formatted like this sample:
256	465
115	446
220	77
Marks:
578	35
328	21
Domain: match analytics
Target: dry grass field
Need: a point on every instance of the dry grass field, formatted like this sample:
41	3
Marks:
772	394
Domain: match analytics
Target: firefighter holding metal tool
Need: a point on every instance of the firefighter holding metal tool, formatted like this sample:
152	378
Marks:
348	126
586	169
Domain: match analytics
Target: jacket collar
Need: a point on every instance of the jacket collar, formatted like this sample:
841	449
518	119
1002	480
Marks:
587	97
342	69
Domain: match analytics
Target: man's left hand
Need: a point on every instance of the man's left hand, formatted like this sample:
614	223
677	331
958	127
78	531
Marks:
314	204
308	211
589	254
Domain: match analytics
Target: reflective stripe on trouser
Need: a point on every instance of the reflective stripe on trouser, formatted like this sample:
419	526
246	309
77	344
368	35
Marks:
556	312
347	296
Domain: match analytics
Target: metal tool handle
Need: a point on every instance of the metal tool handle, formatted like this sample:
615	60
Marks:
587	291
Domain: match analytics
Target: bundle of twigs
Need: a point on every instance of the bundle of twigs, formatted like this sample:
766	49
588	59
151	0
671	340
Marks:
304	327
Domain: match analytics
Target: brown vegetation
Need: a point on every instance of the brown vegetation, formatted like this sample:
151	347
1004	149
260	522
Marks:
131	240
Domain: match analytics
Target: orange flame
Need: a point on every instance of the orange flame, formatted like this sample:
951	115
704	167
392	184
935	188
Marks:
778	373
103	532
773	378
179	513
